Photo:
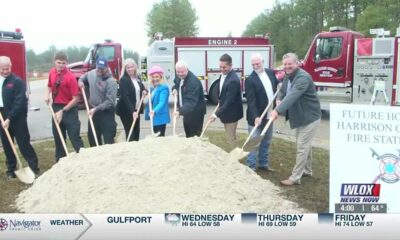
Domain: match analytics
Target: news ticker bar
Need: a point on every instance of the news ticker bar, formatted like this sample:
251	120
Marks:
192	226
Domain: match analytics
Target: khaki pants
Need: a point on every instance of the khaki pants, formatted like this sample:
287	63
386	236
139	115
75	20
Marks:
230	133
304	136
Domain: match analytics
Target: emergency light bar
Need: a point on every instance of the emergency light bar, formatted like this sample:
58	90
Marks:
13	35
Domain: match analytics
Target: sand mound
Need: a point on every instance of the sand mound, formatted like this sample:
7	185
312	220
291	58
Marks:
152	176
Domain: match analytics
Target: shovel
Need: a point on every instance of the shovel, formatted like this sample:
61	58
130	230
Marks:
134	120
90	117
153	134
26	174
261	117
58	129
209	121
250	145
175	117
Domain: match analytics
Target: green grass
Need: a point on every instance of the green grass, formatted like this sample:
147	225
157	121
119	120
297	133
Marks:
311	195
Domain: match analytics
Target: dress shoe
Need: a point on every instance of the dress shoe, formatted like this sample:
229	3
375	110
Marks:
288	182
10	176
268	169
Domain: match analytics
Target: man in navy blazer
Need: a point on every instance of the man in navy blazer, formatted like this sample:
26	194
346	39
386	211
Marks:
230	109
190	99
260	88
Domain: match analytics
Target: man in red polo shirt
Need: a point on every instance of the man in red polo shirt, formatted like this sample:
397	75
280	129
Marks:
62	94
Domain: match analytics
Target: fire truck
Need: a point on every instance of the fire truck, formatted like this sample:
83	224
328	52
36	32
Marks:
12	45
202	55
345	66
349	68
108	49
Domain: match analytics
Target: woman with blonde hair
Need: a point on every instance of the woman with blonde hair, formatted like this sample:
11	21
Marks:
131	90
159	100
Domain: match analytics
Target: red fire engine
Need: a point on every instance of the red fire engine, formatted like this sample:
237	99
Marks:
12	45
110	50
345	66
348	68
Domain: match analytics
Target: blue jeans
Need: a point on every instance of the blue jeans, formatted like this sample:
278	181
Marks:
262	150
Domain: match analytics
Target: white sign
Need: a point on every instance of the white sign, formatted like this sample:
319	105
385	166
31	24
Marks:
377	31
365	156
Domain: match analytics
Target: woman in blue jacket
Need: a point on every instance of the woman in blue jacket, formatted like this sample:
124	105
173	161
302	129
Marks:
159	101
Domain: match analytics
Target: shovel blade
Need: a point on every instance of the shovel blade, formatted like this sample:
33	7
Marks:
153	135
238	154
156	134
253	143
25	175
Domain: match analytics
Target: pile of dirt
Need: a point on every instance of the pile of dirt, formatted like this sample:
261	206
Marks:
155	175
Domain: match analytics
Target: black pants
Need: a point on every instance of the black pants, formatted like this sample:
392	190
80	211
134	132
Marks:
69	124
104	125
127	120
19	130
160	129
193	128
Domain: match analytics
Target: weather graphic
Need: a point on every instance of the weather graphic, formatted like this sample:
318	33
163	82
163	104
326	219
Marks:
389	167
173	218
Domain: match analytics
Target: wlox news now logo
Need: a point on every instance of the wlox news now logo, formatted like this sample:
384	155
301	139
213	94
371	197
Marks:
360	193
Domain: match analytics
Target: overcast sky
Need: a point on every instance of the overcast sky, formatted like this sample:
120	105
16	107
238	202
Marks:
80	22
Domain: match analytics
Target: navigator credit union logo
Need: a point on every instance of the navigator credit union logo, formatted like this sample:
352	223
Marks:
20	225
3	224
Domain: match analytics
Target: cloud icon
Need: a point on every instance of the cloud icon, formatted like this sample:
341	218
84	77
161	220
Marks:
172	218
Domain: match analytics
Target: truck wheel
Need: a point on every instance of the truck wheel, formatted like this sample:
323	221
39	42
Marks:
213	94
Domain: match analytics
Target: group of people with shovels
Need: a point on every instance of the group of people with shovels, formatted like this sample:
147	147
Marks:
296	99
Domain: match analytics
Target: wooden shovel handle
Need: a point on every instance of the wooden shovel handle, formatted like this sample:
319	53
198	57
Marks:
209	121
134	120
58	129
90	118
175	117
11	143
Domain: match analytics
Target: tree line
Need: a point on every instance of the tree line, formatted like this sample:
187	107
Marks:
293	24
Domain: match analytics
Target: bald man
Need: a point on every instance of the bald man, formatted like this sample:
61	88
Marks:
260	89
190	99
14	109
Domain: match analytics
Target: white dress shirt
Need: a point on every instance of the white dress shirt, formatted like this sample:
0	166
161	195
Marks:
221	83
268	88
1	92
180	92
137	91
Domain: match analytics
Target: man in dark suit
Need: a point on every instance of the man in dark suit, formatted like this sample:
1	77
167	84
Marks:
260	88
190	100
230	109
299	100
14	109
